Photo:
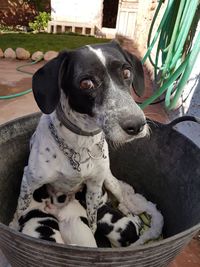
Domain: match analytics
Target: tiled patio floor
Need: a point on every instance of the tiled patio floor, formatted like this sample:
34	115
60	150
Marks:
12	81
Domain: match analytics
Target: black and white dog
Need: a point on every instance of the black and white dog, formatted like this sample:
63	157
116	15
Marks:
114	229
86	96
73	223
36	222
120	230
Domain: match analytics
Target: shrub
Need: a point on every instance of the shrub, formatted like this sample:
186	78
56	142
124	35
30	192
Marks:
41	21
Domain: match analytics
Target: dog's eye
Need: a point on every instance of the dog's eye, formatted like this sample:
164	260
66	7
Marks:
126	73
86	84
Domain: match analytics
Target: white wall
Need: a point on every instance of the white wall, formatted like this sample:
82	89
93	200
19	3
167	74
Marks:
86	11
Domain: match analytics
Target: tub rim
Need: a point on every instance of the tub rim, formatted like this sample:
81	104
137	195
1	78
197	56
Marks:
191	231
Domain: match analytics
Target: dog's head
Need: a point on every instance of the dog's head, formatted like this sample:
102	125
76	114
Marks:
97	81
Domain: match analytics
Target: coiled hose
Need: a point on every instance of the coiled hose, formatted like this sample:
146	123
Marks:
177	49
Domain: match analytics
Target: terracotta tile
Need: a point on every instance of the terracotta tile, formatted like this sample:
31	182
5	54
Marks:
12	81
189	257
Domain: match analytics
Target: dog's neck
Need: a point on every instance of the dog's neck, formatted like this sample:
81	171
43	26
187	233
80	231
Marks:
82	121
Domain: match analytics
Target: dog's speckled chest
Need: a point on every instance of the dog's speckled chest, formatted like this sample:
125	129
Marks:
54	166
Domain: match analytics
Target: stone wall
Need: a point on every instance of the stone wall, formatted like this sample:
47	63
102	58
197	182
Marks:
146	11
145	14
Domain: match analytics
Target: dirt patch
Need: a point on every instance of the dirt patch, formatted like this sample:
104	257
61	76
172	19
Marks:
22	85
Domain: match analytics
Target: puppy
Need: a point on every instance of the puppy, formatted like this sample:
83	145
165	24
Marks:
36	222
120	230
73	224
86	96
114	229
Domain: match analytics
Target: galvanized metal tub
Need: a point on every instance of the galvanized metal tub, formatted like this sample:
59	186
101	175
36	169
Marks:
164	168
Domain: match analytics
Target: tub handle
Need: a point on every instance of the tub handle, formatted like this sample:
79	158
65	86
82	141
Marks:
184	118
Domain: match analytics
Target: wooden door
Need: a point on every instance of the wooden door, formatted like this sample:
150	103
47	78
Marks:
126	19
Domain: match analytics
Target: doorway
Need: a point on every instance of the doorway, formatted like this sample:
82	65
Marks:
110	11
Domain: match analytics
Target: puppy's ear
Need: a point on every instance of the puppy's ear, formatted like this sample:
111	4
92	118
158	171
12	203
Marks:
46	83
138	79
138	72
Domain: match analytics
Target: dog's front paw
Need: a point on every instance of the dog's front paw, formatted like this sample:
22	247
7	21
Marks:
93	227
92	221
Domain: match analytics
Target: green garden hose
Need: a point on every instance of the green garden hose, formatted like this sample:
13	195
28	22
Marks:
174	57
15	95
23	71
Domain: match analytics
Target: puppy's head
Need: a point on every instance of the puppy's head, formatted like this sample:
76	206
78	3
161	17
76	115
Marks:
41	194
97	81
59	199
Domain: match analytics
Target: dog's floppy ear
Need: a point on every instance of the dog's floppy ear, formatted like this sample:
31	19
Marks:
138	79
46	83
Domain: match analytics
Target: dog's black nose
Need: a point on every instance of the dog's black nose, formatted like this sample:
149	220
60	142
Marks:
133	127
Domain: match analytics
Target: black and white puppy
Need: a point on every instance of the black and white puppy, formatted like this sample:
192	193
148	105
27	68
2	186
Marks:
114	229
85	95
73	223
120	230
36	222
